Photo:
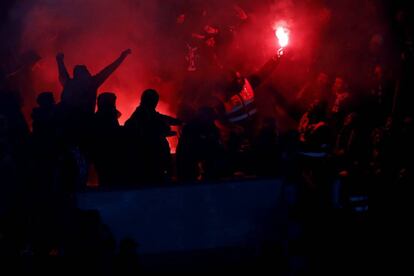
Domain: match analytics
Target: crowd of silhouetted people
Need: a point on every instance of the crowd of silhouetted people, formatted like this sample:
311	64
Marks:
345	139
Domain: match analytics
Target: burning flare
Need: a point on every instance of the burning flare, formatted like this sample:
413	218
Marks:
282	35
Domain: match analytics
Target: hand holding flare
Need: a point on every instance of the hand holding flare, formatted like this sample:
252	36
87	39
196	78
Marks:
282	35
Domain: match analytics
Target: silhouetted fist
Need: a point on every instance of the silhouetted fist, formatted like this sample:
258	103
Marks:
60	56
126	53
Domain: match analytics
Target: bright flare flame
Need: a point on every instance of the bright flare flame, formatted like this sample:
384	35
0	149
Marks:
282	35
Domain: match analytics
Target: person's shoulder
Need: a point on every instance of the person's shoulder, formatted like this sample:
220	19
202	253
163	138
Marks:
322	124
128	122
35	112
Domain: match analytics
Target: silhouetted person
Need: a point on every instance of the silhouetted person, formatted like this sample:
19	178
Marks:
148	131
88	237
317	89
341	104
107	115
79	94
404	148
106	139
14	173
314	133
80	91
346	141
199	151
238	95
267	149
48	162
315	168
235	102
10	223
127	261
45	147
75	114
18	130
381	96
8	173
43	116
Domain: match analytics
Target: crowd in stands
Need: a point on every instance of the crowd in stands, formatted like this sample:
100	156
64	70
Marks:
355	138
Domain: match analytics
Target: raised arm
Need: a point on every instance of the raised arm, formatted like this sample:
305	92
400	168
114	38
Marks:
265	71
170	120
108	70
63	72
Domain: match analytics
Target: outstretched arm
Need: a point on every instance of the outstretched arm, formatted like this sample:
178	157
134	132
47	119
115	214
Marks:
170	120
108	70
265	71
63	72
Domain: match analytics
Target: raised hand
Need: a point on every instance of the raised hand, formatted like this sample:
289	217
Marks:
126	53
60	56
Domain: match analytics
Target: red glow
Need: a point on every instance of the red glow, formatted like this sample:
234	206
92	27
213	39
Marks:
124	83
158	60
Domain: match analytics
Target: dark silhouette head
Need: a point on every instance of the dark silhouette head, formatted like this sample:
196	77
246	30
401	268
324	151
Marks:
340	86
206	114
317	111
45	99
235	84
106	101
149	99
81	72
378	72
128	247
322	80
269	123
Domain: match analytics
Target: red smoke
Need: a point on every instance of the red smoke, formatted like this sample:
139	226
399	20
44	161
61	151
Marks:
94	32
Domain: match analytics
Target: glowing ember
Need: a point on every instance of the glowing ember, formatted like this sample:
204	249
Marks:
282	35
